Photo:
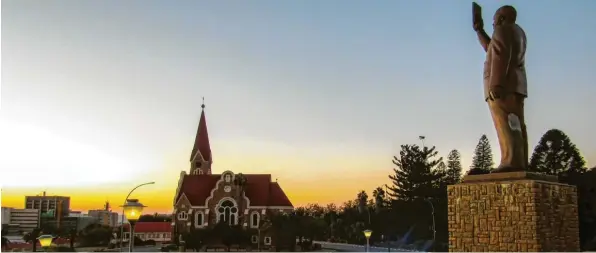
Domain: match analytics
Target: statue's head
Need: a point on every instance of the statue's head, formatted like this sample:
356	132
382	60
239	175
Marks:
505	15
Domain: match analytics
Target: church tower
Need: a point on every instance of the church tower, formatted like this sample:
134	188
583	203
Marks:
200	157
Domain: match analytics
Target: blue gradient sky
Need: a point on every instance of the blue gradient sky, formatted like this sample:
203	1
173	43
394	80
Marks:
300	89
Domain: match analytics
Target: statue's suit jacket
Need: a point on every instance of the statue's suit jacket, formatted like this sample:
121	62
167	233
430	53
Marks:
505	61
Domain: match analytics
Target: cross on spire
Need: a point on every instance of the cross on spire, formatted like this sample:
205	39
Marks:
203	104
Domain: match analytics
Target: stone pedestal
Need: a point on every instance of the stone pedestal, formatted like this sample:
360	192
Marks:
517	211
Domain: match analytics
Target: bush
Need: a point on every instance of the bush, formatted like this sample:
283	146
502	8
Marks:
317	246
138	241
149	242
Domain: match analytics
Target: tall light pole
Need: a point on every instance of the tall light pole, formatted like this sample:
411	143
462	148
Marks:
367	234
133	210
433	215
122	216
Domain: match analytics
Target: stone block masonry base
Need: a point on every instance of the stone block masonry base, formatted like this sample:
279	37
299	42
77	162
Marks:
517	211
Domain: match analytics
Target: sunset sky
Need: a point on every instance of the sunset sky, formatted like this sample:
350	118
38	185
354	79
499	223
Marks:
99	96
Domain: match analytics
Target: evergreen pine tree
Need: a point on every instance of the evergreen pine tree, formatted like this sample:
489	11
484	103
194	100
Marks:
556	155
416	174
454	167
482	162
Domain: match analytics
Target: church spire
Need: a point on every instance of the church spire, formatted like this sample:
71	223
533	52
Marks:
200	156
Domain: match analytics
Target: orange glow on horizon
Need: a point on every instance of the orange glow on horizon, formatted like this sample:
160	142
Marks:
159	197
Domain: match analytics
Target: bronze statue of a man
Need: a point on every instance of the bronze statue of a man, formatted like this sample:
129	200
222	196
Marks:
505	84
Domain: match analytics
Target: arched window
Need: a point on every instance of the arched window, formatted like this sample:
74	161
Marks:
227	212
182	215
199	219
254	219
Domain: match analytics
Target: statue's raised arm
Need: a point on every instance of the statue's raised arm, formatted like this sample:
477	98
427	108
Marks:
478	25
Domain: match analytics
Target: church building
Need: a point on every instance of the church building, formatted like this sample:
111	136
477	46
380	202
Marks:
204	199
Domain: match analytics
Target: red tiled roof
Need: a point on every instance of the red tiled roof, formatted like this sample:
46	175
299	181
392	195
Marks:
197	188
279	195
202	139
259	190
151	227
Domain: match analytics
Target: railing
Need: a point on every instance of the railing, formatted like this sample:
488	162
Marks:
357	248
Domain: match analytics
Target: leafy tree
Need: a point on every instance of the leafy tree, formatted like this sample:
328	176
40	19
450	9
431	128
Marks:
285	230
586	190
482	162
95	234
4	241
197	238
415	175
454	167
556	155
72	238
32	237
224	231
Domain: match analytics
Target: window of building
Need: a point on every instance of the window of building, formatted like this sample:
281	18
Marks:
199	219
267	240
126	235
254	220
227	212
254	239
182	215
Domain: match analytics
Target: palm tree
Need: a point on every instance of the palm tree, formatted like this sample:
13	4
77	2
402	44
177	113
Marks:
362	203
240	183
379	195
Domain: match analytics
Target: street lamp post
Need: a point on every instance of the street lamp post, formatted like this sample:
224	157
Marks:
45	241
122	221
132	210
367	234
433	215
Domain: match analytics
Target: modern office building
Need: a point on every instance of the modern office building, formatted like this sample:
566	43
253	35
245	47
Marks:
105	216
58	205
18	221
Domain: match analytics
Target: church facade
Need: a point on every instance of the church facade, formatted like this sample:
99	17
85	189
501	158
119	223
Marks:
204	199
